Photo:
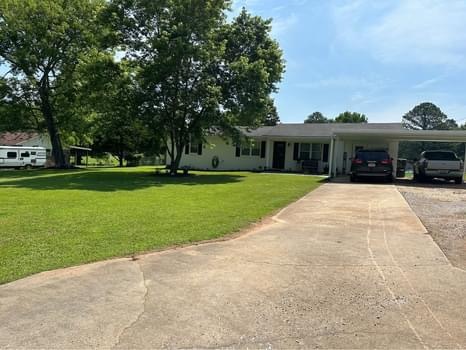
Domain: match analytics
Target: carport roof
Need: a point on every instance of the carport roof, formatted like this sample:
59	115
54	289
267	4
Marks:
318	130
407	135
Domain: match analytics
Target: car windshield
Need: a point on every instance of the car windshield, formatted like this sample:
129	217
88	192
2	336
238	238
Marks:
440	156
372	155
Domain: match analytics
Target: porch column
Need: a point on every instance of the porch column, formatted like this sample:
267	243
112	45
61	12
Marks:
330	158
393	151
268	153
464	162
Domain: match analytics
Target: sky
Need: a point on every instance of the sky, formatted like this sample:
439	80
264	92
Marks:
377	57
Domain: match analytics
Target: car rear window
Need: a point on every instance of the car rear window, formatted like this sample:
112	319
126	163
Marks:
372	155
440	156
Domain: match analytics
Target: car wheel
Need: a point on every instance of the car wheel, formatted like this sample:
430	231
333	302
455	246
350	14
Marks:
28	167
389	178
459	180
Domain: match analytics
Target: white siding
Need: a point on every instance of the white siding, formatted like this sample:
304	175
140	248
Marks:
225	150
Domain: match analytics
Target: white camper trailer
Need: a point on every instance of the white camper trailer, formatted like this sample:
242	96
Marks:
22	157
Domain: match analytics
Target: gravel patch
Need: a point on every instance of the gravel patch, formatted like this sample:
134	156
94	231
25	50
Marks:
442	210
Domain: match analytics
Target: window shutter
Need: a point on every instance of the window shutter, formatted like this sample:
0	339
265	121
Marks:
186	149
325	155
263	146
296	151
199	149
238	151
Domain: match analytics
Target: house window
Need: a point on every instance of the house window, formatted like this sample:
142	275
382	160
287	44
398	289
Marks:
194	147
255	148
252	148
316	151
11	155
304	151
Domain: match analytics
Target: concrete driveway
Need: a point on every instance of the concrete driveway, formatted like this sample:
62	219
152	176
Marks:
348	266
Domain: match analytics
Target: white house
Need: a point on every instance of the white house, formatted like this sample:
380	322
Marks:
285	147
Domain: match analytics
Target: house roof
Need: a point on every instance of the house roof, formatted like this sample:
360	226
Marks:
318	130
16	138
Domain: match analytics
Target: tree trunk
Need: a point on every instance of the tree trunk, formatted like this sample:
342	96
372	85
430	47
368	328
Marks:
120	159
176	161
57	147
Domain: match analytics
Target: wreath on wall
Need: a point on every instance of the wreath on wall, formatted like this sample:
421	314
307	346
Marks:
215	162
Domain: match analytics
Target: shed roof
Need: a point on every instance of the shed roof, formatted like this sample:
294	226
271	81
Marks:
16	138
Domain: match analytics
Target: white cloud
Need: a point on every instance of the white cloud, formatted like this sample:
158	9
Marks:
407	31
282	24
427	83
342	82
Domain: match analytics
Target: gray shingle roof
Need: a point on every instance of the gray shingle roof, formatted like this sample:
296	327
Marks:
317	130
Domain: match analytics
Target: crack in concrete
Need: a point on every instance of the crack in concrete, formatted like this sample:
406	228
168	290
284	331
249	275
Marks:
138	317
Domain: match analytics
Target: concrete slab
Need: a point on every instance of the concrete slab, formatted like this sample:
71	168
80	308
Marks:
347	266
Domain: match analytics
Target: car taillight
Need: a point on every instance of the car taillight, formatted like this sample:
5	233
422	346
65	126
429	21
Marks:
357	161
386	161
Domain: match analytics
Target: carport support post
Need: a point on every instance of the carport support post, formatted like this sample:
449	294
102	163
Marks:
330	165
464	162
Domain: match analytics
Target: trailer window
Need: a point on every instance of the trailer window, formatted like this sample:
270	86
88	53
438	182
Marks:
25	154
11	155
33	153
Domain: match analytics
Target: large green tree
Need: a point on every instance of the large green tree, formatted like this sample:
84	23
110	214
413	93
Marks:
351	117
318	118
41	43
427	116
196	69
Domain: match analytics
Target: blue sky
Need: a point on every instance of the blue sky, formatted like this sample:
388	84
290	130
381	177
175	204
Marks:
378	57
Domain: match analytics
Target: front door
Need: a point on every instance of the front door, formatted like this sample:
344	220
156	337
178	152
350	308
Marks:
279	149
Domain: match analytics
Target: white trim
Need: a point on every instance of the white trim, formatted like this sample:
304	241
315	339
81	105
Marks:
330	157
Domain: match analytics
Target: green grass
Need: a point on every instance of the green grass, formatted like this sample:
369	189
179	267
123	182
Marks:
51	219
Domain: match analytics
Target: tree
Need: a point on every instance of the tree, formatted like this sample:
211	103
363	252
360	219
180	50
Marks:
317	117
271	117
109	87
427	116
41	42
196	70
351	117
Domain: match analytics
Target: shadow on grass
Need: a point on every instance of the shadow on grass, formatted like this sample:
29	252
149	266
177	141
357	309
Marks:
103	181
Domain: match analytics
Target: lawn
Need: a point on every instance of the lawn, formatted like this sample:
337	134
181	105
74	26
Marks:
51	219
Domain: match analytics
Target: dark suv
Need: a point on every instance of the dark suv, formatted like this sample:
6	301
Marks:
372	163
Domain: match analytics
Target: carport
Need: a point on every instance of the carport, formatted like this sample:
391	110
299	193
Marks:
345	143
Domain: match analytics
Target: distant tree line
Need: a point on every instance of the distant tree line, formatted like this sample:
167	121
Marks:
128	76
345	117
